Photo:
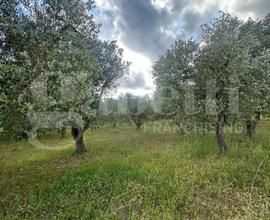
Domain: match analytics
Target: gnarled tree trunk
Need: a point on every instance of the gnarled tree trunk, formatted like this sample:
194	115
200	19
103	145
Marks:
138	120
252	124
220	133
63	132
77	134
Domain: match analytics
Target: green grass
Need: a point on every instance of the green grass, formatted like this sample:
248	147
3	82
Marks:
129	174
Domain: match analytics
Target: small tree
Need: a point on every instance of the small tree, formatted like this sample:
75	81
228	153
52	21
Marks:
112	105
139	109
256	102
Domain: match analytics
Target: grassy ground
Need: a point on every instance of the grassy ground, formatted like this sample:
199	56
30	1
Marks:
129	174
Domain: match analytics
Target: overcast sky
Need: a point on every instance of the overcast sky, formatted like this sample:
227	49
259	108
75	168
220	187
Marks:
146	28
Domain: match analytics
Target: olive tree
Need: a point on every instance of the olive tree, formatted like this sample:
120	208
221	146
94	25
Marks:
64	66
13	75
258	102
225	62
173	73
139	109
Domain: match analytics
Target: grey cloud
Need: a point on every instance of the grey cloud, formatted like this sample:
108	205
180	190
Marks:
178	5
135	81
193	19
259	7
139	23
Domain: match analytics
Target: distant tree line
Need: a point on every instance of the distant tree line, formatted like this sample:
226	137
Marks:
127	109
